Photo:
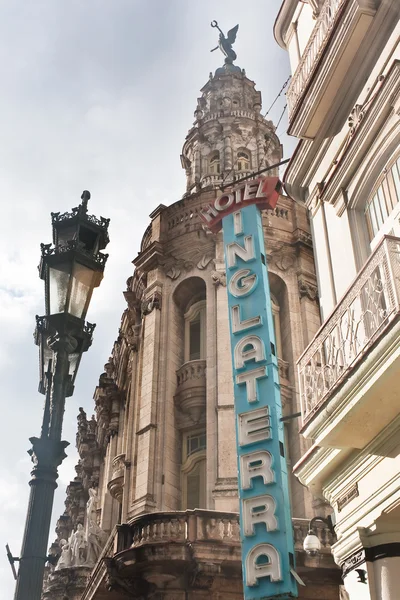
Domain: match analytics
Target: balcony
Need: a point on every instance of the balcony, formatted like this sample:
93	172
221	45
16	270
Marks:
190	397
116	483
185	551
349	373
329	58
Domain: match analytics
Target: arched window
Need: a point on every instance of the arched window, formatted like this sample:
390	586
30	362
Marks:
379	208
277	325
214	163
195	331
243	160
194	469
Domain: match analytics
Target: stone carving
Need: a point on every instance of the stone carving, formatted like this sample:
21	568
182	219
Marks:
204	262
133	587
78	544
173	273
150	304
65	559
218	278
307	289
91	506
95	540
92	425
284	262
85	544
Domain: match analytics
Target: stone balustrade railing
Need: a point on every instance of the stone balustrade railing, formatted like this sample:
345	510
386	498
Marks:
368	307
312	52
211	179
192	371
300	530
206	525
184	216
180	540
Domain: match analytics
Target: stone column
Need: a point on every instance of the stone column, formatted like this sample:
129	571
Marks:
228	154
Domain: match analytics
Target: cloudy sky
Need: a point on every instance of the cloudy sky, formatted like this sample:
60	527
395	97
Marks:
97	95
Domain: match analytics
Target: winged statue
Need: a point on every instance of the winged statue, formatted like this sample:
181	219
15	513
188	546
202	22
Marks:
225	43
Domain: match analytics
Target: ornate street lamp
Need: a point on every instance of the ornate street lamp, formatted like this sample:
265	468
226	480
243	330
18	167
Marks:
71	268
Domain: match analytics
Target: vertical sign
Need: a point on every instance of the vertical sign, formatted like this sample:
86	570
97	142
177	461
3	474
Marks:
265	520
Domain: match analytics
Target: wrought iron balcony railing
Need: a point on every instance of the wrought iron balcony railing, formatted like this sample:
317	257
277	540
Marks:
371	303
315	46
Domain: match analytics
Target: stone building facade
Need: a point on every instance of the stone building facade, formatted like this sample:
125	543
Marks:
344	106
160	449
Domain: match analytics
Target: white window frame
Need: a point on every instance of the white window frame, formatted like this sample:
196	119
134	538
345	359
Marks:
199	308
190	462
385	187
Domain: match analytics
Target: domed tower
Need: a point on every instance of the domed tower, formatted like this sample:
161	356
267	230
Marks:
230	138
158	468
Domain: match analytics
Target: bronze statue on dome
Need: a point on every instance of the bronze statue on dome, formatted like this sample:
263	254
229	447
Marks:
225	43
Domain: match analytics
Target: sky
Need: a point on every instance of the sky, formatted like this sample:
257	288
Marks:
96	95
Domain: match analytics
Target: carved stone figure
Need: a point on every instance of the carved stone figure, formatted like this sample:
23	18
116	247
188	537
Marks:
78	544
96	539
65	559
91	506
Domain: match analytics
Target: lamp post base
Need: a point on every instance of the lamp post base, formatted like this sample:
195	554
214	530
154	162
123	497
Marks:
47	455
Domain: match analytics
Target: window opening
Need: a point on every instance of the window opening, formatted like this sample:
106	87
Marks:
386	197
243	162
214	164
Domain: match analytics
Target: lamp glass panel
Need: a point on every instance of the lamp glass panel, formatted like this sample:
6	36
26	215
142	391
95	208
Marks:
81	290
66	234
74	359
59	276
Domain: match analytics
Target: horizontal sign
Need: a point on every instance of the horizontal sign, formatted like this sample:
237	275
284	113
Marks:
263	191
265	520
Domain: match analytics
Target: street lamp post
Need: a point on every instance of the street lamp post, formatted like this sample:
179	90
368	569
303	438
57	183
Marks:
71	268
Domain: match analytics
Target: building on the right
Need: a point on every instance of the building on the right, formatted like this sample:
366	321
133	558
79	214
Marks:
344	106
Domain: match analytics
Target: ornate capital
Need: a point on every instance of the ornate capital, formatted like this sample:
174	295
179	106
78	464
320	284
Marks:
47	454
151	303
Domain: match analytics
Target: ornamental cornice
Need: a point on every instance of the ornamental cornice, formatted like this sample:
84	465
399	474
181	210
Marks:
362	463
365	123
150	258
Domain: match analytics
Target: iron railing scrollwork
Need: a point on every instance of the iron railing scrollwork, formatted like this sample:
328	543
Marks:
367	308
313	50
